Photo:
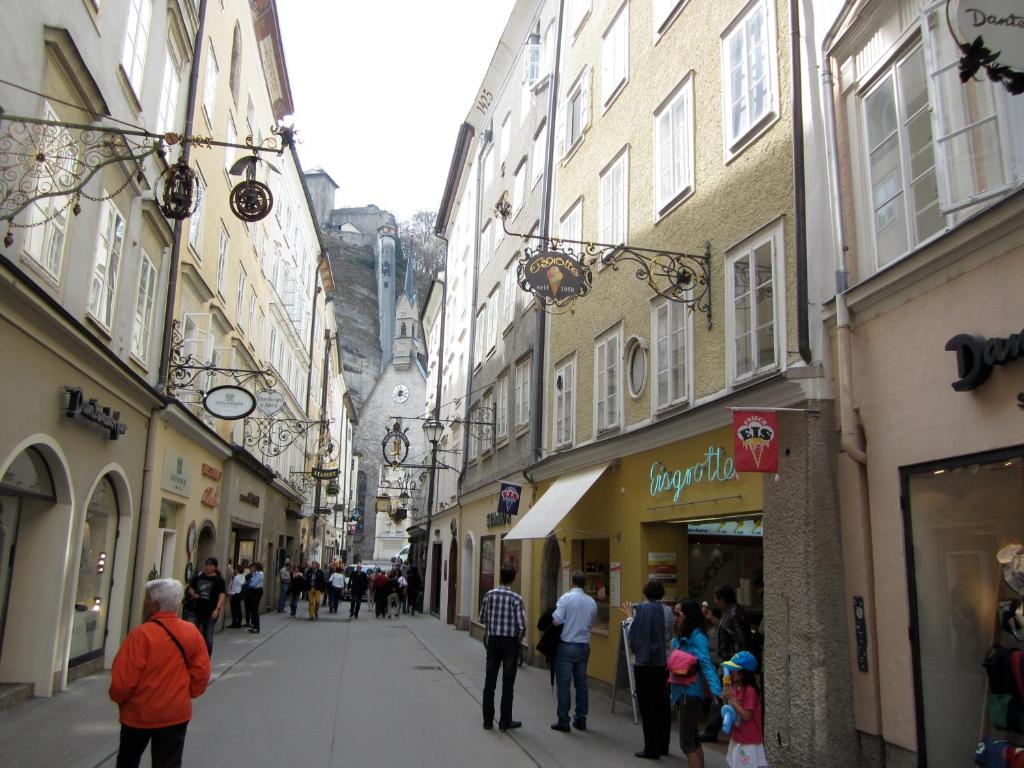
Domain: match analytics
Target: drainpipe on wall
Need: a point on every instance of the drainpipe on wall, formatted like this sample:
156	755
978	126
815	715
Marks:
799	188
851	442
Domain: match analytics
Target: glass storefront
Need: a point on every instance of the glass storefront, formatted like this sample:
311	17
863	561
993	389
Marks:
959	514
486	568
728	552
591	557
94	569
512	554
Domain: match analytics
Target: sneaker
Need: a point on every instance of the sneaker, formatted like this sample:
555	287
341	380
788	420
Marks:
510	725
563	727
579	725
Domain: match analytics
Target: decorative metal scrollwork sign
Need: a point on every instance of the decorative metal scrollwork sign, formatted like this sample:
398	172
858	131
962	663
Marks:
273	436
185	370
395	445
178	194
251	200
557	272
990	36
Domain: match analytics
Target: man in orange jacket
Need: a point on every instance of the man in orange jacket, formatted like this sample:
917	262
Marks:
161	666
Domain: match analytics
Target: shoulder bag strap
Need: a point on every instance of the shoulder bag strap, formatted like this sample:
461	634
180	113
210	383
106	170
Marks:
170	634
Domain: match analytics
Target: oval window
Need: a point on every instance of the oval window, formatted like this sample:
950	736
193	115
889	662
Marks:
637	369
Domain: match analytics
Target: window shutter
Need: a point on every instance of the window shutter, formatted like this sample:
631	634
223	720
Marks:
966	124
585	100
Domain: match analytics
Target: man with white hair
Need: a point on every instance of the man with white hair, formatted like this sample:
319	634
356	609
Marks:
162	665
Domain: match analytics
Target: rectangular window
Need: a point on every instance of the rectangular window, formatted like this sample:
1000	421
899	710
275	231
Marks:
493	317
670	335
474	447
222	259
142	328
486	579
169	89
486	244
250	117
576	112
607	380
592	557
572	223
521	394
195	221
506	136
210	85
501	408
748	90
510	287
240	299
109	248
253	331
540	149
525	102
613	203
663	13
565	403
481	332
615	55
231	138
519	188
531	63
48	217
673	147
752	293
579	10
136	40
488	168
486	411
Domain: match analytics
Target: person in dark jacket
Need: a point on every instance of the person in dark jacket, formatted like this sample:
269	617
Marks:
647	642
298	586
733	636
380	594
414	587
316	584
357	585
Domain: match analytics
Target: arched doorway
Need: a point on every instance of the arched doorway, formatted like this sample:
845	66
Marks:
206	543
453	579
94	570
549	573
466	604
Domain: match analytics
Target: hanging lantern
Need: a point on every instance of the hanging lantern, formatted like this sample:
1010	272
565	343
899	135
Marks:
250	200
178	195
333	489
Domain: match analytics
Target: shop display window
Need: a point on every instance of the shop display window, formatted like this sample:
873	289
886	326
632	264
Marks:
959	515
727	552
512	554
591	556
95	566
486	568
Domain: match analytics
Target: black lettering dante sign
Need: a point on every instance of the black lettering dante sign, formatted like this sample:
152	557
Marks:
555	275
977	356
89	410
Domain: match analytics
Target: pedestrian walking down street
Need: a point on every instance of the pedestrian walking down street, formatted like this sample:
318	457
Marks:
285	578
575	612
504	620
298	586
357	586
413	590
733	635
403	593
691	637
336	582
235	598
316	583
254	595
208	592
647	641
245	595
380	594
161	666
393	597
371	589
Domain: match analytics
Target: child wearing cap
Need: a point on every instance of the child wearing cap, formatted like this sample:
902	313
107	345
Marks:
746	740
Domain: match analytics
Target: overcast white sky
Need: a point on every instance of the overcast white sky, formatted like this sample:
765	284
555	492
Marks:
380	89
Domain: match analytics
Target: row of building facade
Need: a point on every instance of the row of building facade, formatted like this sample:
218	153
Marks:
861	210
117	322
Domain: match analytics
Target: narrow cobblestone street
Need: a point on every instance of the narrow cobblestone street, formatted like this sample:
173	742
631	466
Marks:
341	693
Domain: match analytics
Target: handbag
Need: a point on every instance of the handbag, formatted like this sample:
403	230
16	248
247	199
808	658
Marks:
683	667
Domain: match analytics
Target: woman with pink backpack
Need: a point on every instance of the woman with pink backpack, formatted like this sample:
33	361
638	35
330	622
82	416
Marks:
689	671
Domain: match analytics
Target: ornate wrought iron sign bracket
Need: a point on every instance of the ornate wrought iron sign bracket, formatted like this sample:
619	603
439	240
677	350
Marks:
557	271
272	436
184	369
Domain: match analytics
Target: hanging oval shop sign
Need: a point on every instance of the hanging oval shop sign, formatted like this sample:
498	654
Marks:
555	276
999	23
269	401
229	402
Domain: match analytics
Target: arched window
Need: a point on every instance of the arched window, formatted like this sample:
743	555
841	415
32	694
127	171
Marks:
405	330
235	76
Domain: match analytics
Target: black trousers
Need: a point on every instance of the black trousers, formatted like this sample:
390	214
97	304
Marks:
355	603
501	652
253	597
655	712
167	746
236	610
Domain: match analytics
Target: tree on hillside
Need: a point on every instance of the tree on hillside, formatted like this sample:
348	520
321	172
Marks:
417	235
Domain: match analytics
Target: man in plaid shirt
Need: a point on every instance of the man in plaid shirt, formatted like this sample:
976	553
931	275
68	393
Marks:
504	620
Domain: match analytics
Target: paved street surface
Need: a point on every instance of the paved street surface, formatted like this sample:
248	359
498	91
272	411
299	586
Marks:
338	692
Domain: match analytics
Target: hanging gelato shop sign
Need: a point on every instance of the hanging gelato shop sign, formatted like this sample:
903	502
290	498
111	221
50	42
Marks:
716	467
555	275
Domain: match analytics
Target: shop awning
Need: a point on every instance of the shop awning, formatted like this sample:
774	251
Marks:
548	511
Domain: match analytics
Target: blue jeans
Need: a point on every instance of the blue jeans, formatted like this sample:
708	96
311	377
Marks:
283	596
571	667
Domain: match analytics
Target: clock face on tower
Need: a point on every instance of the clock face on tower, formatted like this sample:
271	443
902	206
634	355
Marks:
400	393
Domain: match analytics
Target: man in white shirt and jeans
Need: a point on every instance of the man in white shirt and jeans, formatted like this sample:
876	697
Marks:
575	613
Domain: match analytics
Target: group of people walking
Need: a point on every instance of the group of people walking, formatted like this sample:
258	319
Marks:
672	667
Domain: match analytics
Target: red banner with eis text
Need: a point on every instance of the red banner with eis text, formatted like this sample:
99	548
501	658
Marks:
755	435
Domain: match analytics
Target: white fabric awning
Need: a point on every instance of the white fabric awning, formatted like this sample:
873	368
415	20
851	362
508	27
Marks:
546	513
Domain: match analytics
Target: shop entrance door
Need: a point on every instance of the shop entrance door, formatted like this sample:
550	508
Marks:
435	579
10	516
453	581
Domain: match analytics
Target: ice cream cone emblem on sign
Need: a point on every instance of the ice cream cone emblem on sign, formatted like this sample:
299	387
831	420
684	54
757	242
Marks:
555	277
755	436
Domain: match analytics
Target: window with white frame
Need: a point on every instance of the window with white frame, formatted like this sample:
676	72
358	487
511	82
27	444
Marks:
531	61
579	10
136	40
48	216
509	288
521	394
142	328
493	316
195	221
107	265
474	415
752	290
519	188
479	340
222	259
525	101
486	243
250	117
748	63
673	147
252	315
540	150
669	329
169	90
613	200
607	380
232	138
574	117
663	12
240	298
210	85
571	226
506	136
501	408
488	168
548	48
565	403
486	412
615	55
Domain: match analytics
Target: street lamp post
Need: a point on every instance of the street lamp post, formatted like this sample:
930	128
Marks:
432	428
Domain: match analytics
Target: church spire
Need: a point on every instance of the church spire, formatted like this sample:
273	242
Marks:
410	281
